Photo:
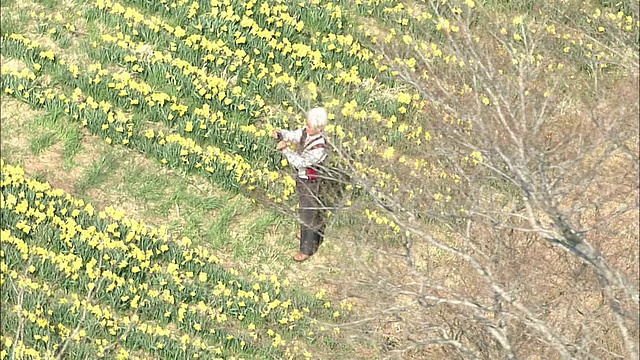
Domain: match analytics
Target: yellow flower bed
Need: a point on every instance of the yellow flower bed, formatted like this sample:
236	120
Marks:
70	271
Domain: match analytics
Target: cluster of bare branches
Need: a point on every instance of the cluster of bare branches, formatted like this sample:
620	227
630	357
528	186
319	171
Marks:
535	252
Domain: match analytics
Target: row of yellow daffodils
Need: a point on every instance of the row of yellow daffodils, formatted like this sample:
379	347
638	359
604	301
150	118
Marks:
190	147
132	268
387	153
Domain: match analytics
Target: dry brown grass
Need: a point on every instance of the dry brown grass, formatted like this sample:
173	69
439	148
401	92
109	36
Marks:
11	64
14	114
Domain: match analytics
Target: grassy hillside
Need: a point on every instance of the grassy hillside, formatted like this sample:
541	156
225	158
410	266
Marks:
163	111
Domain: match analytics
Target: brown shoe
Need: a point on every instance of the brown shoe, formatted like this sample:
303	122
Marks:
300	257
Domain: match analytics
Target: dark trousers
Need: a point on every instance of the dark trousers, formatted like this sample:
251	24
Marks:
311	215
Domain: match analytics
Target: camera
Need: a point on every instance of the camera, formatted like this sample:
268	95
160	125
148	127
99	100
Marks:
279	136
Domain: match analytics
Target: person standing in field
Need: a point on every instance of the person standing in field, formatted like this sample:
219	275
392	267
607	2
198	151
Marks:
311	153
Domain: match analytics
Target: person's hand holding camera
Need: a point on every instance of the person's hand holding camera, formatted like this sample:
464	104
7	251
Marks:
277	134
